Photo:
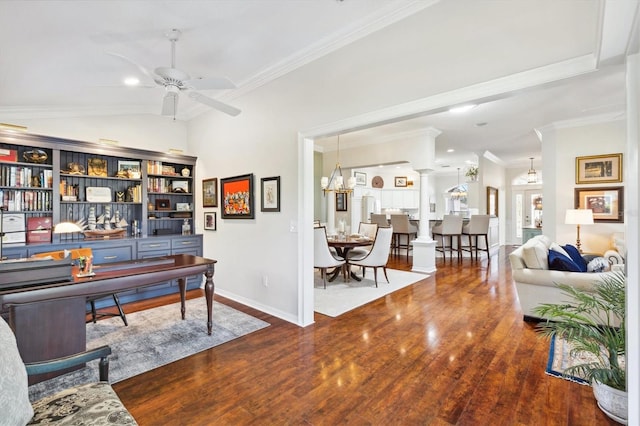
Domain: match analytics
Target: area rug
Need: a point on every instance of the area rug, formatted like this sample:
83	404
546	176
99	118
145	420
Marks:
154	337
560	358
340	297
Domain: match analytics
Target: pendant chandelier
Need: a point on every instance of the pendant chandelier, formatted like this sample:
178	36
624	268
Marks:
532	176
459	192
335	183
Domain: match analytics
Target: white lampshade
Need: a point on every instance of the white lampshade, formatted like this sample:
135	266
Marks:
351	182
324	182
339	182
579	217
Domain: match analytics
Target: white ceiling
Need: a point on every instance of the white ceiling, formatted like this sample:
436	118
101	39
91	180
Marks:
55	61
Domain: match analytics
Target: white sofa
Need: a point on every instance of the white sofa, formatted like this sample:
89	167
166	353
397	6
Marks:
536	284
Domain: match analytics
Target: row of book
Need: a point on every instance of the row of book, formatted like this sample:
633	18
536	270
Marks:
23	177
162	185
13	200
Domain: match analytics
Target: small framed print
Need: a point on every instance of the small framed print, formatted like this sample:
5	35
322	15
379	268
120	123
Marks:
163	204
210	192
361	178
270	201
599	169
97	167
129	168
341	202
401	181
210	221
607	203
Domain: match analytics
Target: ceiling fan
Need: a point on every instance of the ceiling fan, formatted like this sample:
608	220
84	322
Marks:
175	81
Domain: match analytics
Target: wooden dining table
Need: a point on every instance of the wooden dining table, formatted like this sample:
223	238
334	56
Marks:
343	246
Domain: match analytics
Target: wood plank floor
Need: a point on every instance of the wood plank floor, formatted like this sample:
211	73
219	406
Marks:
449	350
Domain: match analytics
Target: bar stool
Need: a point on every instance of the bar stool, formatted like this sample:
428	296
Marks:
380	219
402	228
450	227
478	226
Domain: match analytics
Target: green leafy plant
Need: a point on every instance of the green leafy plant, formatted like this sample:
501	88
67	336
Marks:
591	325
472	172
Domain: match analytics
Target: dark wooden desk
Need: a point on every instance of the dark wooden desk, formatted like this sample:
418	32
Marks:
49	320
343	247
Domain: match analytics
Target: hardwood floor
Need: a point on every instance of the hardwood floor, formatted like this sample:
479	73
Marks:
451	349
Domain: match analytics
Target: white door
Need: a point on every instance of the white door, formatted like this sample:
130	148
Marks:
527	210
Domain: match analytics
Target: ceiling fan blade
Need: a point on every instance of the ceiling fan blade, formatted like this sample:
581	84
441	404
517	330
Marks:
228	109
142	69
170	104
208	83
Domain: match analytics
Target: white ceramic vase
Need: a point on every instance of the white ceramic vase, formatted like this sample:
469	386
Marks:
612	402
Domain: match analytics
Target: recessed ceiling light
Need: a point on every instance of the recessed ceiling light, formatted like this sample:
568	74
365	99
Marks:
462	108
451	150
131	81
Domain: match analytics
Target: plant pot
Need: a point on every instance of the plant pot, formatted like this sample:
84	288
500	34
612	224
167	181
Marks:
612	402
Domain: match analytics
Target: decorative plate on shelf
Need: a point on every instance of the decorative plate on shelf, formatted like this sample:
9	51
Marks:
35	156
377	182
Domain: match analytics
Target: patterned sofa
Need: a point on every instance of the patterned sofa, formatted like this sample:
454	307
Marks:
536	283
94	403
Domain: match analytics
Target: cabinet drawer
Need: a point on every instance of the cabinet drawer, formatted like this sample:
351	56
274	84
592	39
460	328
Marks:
154	245
181	243
111	254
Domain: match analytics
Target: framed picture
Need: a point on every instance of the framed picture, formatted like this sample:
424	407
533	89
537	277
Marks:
210	192
97	167
163	204
210	221
492	201
341	202
180	186
236	197
607	203
361	178
270	201
401	181
129	167
599	169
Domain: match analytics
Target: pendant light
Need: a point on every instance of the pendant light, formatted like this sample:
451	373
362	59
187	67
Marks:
458	192
532	176
336	181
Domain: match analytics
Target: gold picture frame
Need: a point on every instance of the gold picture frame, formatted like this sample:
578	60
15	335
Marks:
605	168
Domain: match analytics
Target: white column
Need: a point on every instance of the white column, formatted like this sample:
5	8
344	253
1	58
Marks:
424	247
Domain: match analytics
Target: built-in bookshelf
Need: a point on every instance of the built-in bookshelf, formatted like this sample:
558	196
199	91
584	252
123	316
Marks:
130	192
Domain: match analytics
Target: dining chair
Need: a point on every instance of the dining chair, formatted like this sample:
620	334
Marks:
478	226
450	227
378	256
402	228
366	230
322	256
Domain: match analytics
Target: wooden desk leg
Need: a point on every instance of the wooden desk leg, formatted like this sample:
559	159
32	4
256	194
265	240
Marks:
208	293
182	284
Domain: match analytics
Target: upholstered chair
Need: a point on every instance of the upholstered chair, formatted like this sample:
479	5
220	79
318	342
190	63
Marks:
450	228
366	230
379	219
478	226
322	256
378	256
93	403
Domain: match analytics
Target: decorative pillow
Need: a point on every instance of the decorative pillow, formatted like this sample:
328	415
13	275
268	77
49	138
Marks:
577	258
557	247
560	262
534	254
14	391
598	264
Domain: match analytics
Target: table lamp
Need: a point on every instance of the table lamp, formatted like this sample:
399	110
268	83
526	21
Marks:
578	217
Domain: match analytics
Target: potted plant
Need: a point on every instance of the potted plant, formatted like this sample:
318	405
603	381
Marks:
595	323
472	173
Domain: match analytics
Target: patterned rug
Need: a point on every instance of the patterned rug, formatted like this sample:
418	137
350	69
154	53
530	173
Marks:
154	337
560	359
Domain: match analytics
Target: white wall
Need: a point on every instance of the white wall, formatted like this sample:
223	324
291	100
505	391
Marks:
561	146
